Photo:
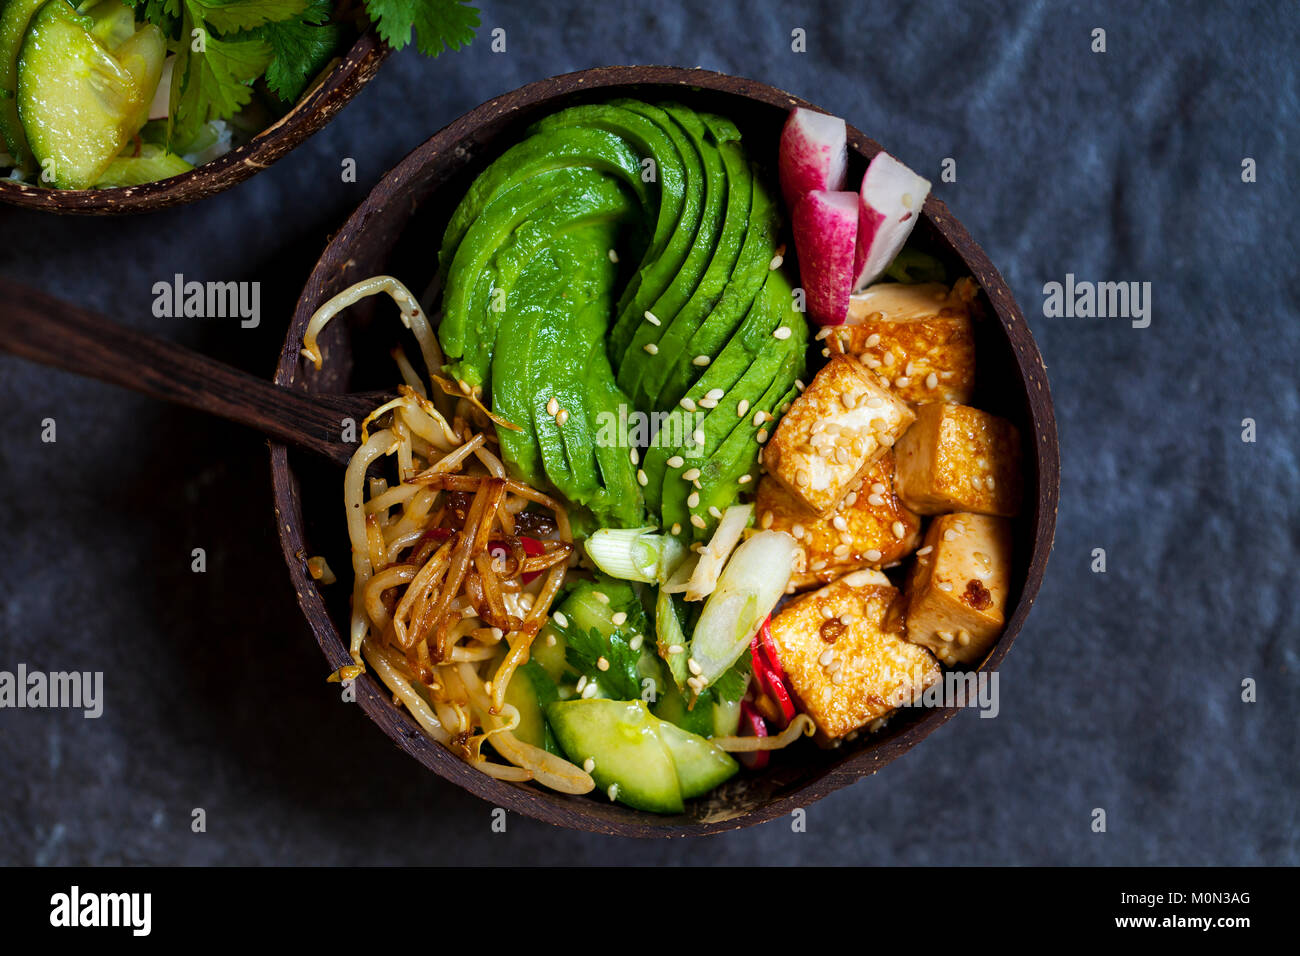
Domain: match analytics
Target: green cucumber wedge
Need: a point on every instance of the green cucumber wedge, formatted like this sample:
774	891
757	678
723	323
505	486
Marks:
14	17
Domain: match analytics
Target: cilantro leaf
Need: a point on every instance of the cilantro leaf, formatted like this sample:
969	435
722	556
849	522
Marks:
438	24
231	16
215	84
585	649
302	47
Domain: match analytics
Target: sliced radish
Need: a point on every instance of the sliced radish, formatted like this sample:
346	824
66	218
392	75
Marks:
813	155
825	228
752	721
890	203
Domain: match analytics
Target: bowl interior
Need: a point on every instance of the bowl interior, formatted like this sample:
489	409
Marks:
313	110
398	230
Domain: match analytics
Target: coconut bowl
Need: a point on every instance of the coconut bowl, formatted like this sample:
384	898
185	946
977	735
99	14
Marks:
397	231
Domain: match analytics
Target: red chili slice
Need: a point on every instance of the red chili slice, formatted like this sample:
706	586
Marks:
767	671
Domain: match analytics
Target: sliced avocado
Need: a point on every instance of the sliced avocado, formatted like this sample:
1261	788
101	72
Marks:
14	17
78	102
637	358
667	172
515	168
470	316
700	764
752	266
708	293
622	739
530	691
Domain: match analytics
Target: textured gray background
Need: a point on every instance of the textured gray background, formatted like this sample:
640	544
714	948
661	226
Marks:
1123	690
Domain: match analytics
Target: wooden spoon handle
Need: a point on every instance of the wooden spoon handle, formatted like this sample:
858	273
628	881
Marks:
41	328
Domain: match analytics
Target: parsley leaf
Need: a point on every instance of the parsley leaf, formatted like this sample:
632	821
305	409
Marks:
215	84
231	16
438	24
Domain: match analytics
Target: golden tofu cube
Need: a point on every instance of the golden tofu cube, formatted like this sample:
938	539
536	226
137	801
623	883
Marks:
842	422
846	666
917	339
869	528
958	458
956	595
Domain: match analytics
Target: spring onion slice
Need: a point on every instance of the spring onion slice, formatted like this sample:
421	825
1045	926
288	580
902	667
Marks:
635	554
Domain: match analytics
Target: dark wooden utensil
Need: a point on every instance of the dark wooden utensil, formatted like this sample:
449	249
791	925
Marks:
44	329
312	111
395	231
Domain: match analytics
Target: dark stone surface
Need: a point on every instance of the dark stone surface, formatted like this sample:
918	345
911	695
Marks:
1124	690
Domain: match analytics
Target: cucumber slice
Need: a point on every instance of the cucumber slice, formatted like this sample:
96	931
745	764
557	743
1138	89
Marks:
14	17
152	164
550	656
621	738
700	765
114	22
78	102
530	691
672	708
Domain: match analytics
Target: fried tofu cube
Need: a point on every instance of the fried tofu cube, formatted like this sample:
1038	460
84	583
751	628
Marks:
958	458
841	423
846	666
956	594
917	339
869	528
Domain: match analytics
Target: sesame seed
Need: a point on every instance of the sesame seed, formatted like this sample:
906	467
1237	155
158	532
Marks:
715	511
932	381
582	684
641	478
839	523
842	551
945	585
487	688
698	436
762	435
636	642
651	348
899	529
591	690
562	417
589	764
600	596
560	619
797	531
651	318
613	255
602	664
850	499
697	521
715	394
760	416
744	479
873	340
887	359
950	535
988	481
798	383
837	677
634	456
693	500
742	408
945	636
677	528
776	262
675	648
875	401
701	360
619	619
690	474
552	407
826	657
550	640
613	791
708	403
826	330
872	555
676	461
878	488
694	667
875	501
766	522
926	550
782	333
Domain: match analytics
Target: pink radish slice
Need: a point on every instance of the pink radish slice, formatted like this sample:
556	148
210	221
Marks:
890	203
825	226
813	154
751	720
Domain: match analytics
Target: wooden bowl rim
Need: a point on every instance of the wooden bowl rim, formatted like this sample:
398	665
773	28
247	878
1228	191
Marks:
534	802
313	110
